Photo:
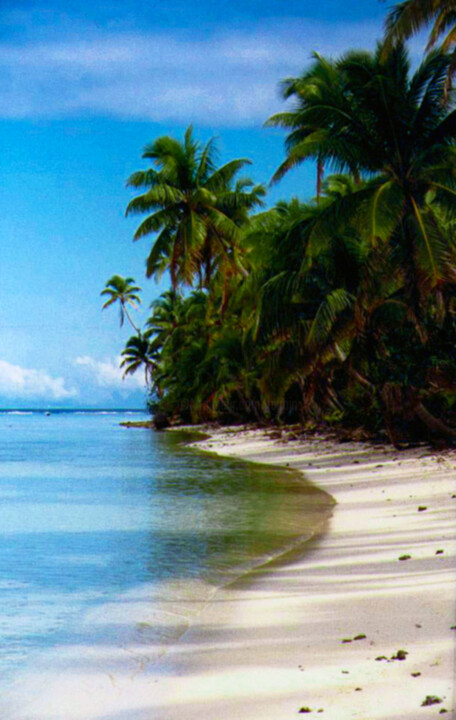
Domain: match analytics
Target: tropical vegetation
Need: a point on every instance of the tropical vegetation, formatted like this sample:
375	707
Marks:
338	310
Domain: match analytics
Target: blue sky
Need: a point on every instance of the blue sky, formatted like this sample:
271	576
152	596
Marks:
84	87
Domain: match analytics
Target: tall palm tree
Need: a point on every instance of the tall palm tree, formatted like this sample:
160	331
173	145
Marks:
409	17
303	90
193	207
399	132
125	292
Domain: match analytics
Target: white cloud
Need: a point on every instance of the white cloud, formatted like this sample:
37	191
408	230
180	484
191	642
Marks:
222	79
108	374
19	382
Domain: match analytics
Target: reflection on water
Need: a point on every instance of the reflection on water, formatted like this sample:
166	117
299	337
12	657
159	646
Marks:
100	522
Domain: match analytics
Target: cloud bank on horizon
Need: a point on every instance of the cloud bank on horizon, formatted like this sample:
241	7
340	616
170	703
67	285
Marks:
227	79
30	384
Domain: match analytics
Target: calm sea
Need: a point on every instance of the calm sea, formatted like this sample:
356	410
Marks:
94	516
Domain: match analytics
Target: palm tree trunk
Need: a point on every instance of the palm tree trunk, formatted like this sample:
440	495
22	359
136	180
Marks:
127	315
320	176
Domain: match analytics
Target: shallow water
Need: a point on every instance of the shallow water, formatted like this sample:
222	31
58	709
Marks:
103	528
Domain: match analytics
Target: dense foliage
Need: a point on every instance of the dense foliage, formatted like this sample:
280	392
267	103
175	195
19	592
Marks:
340	310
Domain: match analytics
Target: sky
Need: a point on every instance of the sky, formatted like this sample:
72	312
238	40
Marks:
84	87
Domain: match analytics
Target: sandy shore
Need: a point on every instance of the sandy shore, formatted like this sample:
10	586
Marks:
285	642
347	630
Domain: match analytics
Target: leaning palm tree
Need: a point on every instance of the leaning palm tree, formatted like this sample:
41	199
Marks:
122	290
193	208
409	17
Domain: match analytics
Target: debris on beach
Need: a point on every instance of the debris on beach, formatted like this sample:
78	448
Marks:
404	557
305	710
400	655
422	508
431	700
360	637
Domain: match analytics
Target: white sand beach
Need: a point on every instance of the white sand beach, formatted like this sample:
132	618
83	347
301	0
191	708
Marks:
346	630
284	642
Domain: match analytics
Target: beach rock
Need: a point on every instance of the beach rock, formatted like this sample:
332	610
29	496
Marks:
160	421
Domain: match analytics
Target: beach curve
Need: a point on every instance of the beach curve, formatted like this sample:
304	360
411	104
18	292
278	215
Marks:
361	626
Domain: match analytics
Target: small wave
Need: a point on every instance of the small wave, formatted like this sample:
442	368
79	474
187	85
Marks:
18	412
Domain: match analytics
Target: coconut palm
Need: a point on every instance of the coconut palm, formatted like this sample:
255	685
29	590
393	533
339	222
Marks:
409	17
397	131
305	89
125	292
139	354
193	207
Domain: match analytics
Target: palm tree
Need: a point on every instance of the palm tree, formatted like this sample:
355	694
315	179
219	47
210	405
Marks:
304	90
136	354
122	290
409	17
194	209
399	133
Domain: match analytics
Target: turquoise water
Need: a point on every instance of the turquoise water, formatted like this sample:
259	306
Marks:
93	514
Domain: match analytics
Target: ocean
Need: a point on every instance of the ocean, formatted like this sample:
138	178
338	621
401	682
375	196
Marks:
112	536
